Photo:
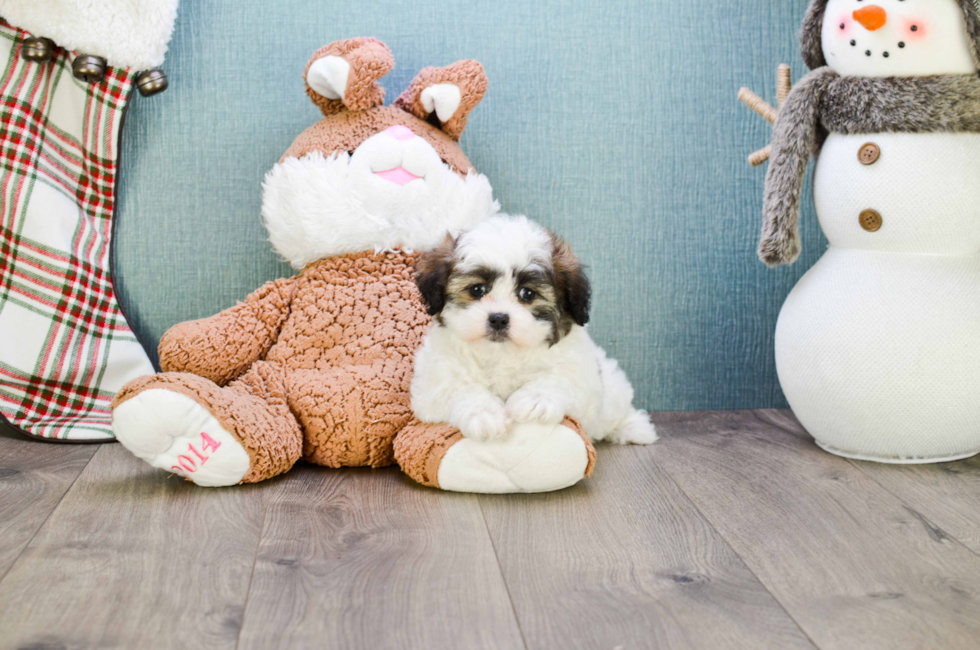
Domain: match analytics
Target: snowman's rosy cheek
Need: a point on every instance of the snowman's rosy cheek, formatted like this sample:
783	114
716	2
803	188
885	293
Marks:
844	26
914	30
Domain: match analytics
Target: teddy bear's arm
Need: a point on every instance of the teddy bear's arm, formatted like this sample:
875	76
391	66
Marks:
223	346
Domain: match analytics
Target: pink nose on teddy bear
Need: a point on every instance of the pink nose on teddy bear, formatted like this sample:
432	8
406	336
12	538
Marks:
399	175
399	132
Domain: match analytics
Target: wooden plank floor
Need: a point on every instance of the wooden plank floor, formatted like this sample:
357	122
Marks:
734	531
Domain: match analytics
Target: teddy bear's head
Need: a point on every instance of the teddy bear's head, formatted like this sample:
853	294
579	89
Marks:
370	177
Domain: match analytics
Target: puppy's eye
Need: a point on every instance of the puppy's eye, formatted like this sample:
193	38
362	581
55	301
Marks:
477	291
526	295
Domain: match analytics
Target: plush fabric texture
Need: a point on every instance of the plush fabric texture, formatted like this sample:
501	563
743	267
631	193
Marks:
334	345
927	209
971	11
811	39
345	131
824	102
126	33
354	326
811	45
173	432
316	366
253	409
369	60
222	347
536	457
420	447
470	78
949	103
316	207
793	142
877	353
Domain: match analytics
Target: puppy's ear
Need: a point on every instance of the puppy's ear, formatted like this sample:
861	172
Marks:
574	290
432	275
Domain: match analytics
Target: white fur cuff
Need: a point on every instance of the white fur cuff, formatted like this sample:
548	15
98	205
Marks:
126	33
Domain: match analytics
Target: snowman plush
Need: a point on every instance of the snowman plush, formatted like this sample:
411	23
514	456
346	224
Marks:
878	345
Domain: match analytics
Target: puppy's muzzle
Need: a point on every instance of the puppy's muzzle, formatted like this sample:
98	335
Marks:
498	323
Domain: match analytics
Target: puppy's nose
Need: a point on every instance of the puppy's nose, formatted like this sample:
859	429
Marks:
872	17
399	132
499	322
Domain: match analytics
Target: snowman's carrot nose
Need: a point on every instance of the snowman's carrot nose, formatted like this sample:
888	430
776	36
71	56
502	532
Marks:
872	17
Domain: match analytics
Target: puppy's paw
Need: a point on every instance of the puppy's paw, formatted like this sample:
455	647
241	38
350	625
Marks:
535	405
486	422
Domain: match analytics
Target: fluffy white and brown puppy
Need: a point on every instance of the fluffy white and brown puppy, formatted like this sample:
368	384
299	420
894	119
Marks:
508	344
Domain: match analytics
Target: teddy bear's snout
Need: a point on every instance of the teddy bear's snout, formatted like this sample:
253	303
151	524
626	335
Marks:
399	132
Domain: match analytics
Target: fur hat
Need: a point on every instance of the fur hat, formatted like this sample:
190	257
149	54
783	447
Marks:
811	39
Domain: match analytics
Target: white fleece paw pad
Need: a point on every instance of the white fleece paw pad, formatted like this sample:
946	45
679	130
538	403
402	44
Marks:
172	432
532	458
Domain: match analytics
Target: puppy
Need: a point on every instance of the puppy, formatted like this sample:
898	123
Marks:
508	344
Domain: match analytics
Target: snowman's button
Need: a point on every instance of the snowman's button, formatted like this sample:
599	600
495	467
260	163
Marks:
870	220
869	153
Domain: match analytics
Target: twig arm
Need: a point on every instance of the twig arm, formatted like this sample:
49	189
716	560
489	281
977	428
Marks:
758	105
784	83
760	156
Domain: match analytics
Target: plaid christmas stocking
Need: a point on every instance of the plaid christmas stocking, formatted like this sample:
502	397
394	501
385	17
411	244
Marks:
65	345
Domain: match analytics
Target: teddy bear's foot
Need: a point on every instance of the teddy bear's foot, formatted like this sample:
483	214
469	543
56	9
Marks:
531	458
173	432
240	433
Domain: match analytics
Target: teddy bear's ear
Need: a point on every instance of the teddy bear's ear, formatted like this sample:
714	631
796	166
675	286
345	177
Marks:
445	96
344	75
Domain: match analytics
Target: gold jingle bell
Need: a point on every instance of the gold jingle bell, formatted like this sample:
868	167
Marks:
37	49
152	82
88	68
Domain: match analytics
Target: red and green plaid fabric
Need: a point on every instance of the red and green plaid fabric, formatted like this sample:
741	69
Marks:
65	345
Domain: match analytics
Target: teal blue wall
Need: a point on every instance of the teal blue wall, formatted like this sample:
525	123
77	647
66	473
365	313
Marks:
614	123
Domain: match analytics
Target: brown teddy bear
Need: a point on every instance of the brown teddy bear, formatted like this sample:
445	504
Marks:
318	366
